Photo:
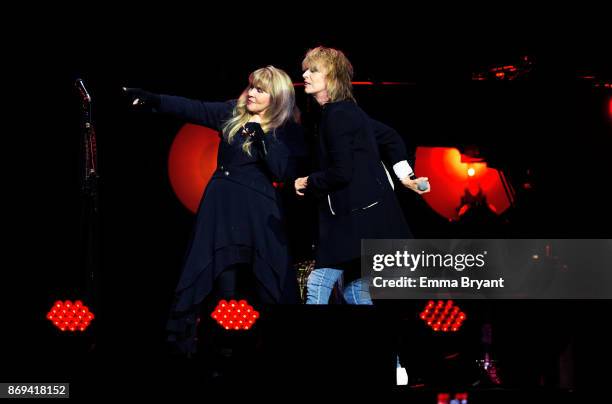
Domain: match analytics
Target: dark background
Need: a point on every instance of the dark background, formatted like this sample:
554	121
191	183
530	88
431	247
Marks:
548	128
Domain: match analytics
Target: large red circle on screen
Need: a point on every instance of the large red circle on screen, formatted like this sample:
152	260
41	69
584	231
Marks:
192	161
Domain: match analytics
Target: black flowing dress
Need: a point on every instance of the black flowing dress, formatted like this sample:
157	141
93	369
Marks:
240	219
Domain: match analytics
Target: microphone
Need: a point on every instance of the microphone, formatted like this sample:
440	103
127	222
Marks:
423	185
81	86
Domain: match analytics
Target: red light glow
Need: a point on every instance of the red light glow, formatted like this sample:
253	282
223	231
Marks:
235	315
70	316
457	178
443	316
192	162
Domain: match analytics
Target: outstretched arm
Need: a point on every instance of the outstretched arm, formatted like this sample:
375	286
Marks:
210	114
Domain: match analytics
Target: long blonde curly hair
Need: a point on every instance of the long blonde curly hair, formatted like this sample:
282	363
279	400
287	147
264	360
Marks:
278	84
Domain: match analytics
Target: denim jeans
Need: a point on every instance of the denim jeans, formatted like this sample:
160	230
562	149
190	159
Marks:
321	282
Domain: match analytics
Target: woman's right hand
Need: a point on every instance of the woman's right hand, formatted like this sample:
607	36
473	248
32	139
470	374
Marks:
414	184
300	185
141	98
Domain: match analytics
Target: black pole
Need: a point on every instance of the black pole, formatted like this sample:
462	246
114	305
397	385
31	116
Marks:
90	215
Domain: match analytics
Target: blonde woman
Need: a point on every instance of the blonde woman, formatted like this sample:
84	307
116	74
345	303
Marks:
239	237
356	200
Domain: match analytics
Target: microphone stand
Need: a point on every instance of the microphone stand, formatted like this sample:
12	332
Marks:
90	207
90	158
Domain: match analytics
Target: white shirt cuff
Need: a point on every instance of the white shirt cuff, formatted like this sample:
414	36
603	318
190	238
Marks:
402	169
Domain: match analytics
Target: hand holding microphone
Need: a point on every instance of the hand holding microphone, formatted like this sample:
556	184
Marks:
419	185
423	185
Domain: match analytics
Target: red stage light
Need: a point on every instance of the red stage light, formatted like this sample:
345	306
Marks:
443	318
443	398
64	315
229	315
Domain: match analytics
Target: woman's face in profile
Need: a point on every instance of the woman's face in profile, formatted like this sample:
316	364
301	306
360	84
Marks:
257	100
315	80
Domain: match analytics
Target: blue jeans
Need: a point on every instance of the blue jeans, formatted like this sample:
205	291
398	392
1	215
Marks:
321	282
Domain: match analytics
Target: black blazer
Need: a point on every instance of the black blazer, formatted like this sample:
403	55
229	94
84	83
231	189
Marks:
356	199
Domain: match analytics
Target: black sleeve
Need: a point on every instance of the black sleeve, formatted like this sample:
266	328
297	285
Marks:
390	143
292	137
342	126
210	114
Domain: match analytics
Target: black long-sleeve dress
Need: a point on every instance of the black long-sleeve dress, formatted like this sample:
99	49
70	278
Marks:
240	219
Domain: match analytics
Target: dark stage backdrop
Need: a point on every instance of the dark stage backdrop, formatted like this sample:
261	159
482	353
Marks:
549	128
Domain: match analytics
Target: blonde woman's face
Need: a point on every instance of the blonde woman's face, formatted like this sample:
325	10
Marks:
257	100
315	81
